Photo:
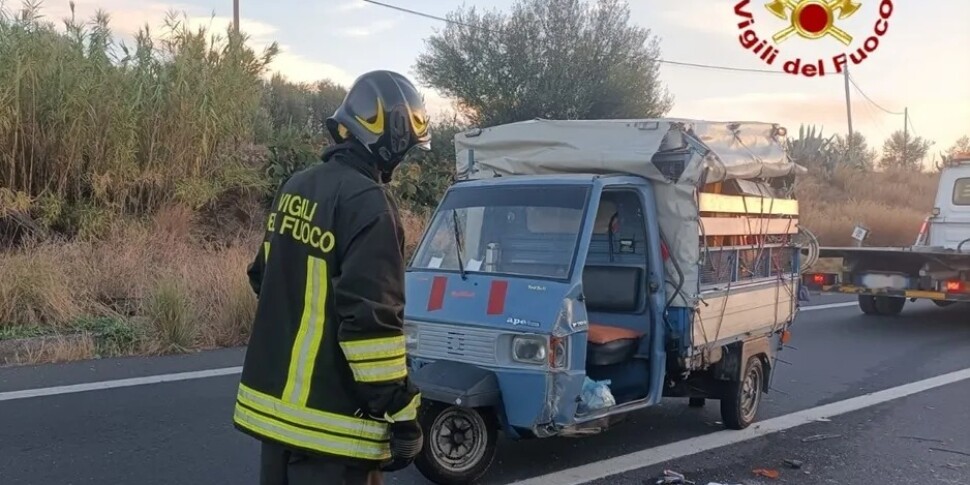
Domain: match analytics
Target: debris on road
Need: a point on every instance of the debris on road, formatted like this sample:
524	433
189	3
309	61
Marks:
944	450
820	437
794	464
767	473
672	477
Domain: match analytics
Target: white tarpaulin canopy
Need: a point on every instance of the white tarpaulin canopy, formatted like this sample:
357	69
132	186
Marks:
729	150
707	152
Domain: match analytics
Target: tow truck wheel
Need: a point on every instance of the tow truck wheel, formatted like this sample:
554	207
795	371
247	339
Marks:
890	306
868	304
739	405
459	443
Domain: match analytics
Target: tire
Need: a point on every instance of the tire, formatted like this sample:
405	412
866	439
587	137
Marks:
890	306
696	402
739	405
867	303
448	460
943	303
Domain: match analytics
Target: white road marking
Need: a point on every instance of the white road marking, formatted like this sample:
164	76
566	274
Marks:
660	454
829	306
203	374
102	385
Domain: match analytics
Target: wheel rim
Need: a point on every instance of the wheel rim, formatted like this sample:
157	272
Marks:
751	393
459	439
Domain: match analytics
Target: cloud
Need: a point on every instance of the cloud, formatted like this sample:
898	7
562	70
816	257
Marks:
298	68
790	109
707	16
372	28
349	6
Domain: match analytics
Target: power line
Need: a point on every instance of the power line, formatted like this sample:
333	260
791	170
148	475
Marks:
659	60
863	93
428	16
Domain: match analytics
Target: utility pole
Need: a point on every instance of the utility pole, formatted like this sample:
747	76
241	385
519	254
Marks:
235	15
848	112
905	134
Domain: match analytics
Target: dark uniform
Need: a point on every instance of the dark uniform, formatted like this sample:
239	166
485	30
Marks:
324	384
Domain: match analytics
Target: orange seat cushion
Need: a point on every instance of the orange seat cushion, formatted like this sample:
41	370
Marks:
602	334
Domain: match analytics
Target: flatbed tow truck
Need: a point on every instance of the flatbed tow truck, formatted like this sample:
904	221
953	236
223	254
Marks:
936	267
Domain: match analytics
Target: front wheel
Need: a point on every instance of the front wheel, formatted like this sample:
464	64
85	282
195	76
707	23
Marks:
739	405
459	443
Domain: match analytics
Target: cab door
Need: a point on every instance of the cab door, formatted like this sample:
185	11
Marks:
951	226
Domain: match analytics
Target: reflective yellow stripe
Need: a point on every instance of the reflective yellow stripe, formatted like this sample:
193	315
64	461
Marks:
313	440
346	425
266	251
375	348
380	371
409	413
310	335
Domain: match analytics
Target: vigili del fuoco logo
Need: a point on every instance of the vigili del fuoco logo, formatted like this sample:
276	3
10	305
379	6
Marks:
815	21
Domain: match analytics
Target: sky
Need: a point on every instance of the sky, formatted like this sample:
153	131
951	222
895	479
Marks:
922	62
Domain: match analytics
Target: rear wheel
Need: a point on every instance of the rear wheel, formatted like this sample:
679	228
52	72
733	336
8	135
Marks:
459	443
739	405
943	303
889	305
867	303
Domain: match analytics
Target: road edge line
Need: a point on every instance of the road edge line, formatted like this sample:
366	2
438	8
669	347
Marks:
829	306
118	383
654	456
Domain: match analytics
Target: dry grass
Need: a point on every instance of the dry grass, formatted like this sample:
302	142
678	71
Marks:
891	205
34	290
176	291
54	350
158	284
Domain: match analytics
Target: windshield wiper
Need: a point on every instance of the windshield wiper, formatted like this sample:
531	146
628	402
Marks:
461	264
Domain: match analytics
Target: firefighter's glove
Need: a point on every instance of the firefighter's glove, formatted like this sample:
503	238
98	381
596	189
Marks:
406	443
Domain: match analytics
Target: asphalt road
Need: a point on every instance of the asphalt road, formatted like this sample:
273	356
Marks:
180	432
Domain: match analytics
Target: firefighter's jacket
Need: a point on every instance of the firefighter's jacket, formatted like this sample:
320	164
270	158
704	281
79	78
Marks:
325	371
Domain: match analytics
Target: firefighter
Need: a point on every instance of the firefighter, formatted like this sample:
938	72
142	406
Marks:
324	385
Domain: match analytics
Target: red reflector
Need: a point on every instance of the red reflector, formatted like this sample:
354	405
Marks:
496	297
954	286
664	252
437	297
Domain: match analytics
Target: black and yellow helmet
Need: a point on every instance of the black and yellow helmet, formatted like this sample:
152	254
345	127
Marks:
386	113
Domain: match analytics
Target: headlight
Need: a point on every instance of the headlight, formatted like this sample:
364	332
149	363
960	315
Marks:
529	349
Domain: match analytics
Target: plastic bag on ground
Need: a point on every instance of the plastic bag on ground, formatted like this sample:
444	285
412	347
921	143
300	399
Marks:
596	395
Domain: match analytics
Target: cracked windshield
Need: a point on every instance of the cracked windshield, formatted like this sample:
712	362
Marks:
484	242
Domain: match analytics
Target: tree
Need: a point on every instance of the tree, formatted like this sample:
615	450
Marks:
423	178
962	146
902	153
858	154
557	59
300	107
812	150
